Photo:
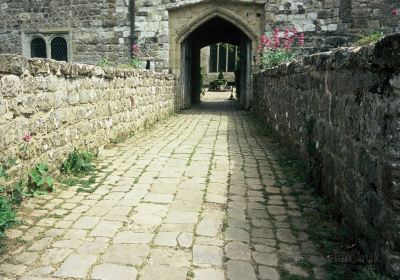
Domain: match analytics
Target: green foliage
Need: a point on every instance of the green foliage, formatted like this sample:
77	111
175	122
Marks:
7	215
221	76
275	57
368	39
3	172
17	193
85	184
5	165
133	63
220	82
230	47
10	162
74	181
78	162
103	62
39	181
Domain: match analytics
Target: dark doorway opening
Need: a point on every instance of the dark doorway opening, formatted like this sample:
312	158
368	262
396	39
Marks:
214	31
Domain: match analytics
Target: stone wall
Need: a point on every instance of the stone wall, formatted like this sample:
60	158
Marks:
342	109
67	106
331	23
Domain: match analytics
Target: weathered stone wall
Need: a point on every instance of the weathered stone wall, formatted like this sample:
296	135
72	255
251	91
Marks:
353	95
98	29
331	23
67	106
326	24
101	29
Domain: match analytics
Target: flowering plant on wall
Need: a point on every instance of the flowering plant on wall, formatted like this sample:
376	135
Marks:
135	61
280	47
23	148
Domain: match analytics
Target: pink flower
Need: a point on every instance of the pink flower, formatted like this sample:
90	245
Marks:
265	42
301	39
286	33
288	43
394	12
135	49
268	43
263	39
294	31
27	137
276	38
288	39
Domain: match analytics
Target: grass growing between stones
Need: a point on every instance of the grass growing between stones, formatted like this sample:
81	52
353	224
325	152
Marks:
78	170
84	183
368	39
7	218
122	137
334	240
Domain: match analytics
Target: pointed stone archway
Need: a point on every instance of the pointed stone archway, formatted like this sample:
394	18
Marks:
195	26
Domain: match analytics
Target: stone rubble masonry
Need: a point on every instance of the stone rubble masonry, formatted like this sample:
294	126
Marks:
331	23
67	106
101	29
353	94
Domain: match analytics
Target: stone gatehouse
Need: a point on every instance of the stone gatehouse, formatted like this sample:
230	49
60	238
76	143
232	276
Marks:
92	30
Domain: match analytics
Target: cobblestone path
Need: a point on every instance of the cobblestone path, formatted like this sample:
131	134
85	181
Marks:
192	198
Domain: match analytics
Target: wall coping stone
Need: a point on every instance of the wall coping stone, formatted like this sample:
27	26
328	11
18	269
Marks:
385	54
19	65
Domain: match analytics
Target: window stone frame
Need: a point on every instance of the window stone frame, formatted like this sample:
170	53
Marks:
47	36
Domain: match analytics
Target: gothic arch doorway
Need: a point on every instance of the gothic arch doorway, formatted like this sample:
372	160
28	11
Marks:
198	26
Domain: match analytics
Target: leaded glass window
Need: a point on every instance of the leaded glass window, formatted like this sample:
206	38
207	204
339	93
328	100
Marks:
38	48
59	49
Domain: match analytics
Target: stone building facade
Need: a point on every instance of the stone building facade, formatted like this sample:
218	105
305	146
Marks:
97	29
93	29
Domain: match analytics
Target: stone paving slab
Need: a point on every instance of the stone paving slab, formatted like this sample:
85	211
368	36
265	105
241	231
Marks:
193	198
